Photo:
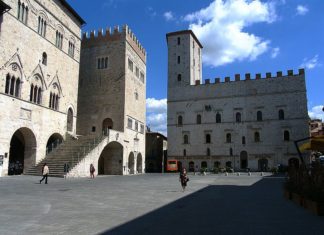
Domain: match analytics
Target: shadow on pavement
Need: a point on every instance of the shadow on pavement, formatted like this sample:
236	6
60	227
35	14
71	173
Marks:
223	209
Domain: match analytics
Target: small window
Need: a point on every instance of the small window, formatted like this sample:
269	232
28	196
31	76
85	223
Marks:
179	77
185	139
231	152
130	65
106	62
178	59
228	138
142	77
281	114
238	117
198	119
259	116
180	120
256	137
218	118
208	152
286	136
178	40
243	139
44	58
99	64
93	129
137	72
208	138
184	152
129	123
142	128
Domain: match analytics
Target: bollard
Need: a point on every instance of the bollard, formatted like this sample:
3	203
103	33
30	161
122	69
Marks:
249	174
261	173
238	174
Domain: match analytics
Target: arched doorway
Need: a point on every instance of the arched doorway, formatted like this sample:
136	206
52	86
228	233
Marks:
263	164
131	163
70	120
293	162
53	142
191	166
244	159
139	163
107	124
22	153
111	160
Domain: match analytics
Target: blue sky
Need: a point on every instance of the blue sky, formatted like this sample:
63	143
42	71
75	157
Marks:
238	36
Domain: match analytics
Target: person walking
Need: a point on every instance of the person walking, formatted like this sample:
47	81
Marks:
66	169
92	171
45	172
183	178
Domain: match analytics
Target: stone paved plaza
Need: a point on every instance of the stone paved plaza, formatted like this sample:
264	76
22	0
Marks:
151	204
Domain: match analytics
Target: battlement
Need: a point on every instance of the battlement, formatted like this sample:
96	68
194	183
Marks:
258	76
109	35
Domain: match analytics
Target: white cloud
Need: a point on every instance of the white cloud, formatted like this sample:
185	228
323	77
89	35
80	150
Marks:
301	10
156	115
275	52
310	63
316	112
151	12
220	28
168	16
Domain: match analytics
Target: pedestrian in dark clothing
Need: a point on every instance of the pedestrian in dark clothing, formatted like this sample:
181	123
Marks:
92	170
45	172
183	178
66	169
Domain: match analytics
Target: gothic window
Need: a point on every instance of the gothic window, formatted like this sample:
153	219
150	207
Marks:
12	86
130	65
208	151
178	59
71	49
31	94
59	40
142	128
218	118
22	12
179	120
286	136
54	97
142	77
137	72
7	84
41	26
238	117
259	116
243	139
281	114
198	119
178	40
256	137
136	126
185	139
207	137
228	138
179	77
44	58
39	95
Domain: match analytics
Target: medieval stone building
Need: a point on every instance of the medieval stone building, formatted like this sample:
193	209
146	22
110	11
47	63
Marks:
39	71
242	123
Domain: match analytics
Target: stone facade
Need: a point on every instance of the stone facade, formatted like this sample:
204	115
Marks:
241	123
39	70
112	96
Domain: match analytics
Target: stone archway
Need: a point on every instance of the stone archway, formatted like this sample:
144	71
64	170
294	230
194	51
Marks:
244	159
139	162
131	163
111	160
53	142
22	153
70	120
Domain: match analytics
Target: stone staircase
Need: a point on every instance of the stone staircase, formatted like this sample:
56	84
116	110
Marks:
71	151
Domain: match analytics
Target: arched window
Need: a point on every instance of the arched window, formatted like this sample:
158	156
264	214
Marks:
218	118
208	152
228	138
31	94
179	120
184	152
243	139
208	138
179	77
39	96
281	114
238	117
7	84
70	120
44	58
12	85
256	137
286	136
35	94
259	116
198	119
185	139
